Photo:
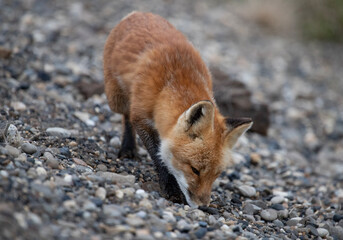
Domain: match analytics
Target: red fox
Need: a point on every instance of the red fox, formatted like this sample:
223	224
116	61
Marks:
156	79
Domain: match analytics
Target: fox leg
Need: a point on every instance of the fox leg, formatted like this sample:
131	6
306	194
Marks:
169	187
128	144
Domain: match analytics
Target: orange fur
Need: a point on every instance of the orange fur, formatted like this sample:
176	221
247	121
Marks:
154	75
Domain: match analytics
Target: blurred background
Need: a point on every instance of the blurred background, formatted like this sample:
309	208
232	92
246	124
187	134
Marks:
279	62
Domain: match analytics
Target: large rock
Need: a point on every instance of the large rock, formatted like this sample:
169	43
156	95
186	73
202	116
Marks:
234	99
117	178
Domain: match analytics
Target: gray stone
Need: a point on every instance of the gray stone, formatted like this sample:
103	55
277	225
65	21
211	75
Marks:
12	151
269	214
211	220
278	223
168	216
85	117
337	232
282	213
249	217
141	214
70	204
22	157
247	191
117	178
145	203
115	142
58	132
140	193
197	214
51	161
294	221
312	230
41	171
183	226
322	232
249	235
200	233
113	210
135	222
251	209
101	167
260	203
28	148
89	206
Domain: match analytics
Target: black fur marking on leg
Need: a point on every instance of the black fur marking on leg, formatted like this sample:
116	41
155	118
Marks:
128	145
169	187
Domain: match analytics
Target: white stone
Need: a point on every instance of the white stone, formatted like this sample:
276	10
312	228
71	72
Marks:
68	178
58	132
85	117
119	194
69	204
13	136
141	193
322	232
41	171
115	142
4	174
129	191
18	106
145	203
277	200
168	216
101	193
247	191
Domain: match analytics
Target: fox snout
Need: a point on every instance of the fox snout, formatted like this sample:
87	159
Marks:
200	199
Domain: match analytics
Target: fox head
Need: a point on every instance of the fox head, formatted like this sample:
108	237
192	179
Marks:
197	149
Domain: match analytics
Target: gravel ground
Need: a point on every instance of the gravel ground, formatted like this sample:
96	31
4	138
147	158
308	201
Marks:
59	176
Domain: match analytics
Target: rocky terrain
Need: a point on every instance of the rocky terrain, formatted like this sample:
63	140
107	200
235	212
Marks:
59	175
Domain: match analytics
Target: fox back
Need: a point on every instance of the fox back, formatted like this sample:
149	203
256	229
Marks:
156	79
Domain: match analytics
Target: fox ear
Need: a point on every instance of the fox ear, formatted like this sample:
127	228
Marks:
197	118
237	127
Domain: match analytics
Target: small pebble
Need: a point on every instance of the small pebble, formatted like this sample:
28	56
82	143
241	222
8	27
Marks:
101	167
337	217
269	214
101	193
12	151
277	200
200	233
255	158
51	161
13	136
41	171
58	132
247	191
145	203
322	232
28	148
183	226
115	142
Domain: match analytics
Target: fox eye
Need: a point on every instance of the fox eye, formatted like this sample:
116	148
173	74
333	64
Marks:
196	171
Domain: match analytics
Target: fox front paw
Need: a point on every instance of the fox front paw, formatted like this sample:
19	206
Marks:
171	190
127	153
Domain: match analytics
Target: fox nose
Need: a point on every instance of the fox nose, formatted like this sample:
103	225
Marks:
204	199
201	199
